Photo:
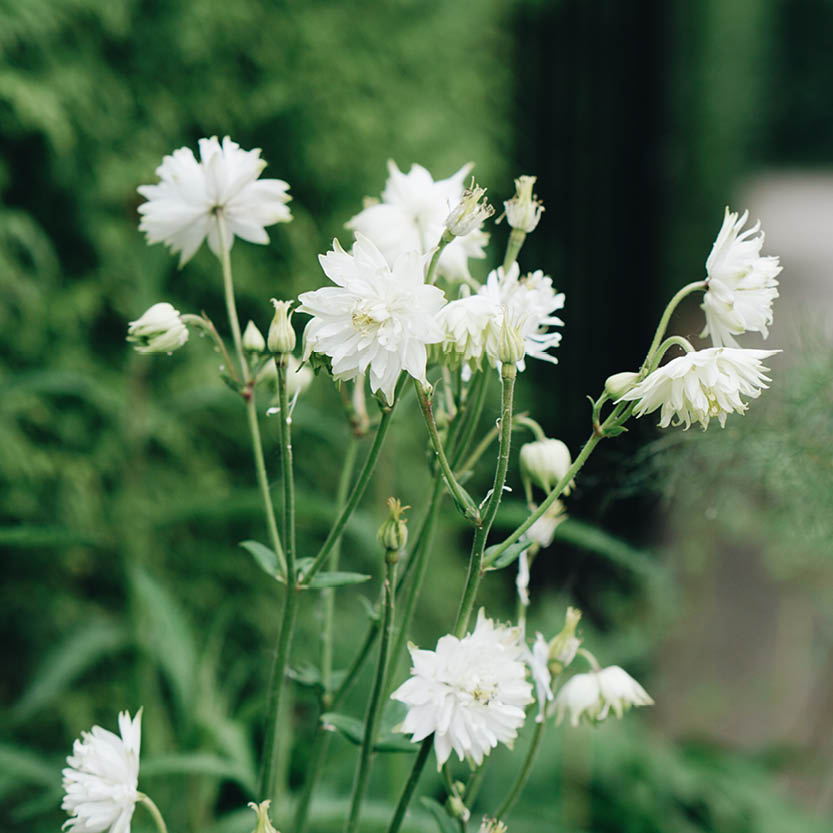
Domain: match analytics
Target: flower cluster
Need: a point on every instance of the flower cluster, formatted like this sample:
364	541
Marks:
470	692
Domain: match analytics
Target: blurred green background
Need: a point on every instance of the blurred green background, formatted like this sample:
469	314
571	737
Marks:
703	563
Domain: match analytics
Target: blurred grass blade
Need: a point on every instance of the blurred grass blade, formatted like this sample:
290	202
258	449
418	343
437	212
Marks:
199	763
335	579
445	823
591	538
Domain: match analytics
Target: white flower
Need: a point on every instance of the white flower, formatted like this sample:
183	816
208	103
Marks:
741	283
620	691
102	777
702	384
538	661
466	324
522	579
542	530
264	823
376	318
488	825
412	216
469	214
159	330
192	197
528	303
523	211
594	694
470	692
545	462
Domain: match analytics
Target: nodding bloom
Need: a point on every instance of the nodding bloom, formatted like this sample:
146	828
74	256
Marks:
702	385
100	783
375	319
470	692
741	283
194	199
594	694
159	330
411	216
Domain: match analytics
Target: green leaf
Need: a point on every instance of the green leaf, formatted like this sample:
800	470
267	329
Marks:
68	661
444	821
197	763
335	579
265	558
505	558
353	730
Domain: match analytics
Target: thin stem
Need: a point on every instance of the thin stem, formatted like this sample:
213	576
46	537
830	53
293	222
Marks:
513	247
461	497
228	285
374	711
666	317
358	489
488	438
154	811
410	785
271	740
206	324
507	375
532	425
431	274
473	409
318	752
523	774
666	345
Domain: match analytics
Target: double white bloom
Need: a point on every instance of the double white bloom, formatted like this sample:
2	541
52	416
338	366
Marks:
594	694
100	783
158	330
375	319
741	283
193	198
470	692
702	385
412	216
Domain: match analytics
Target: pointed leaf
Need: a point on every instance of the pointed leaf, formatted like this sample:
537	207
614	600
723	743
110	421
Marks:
353	730
265	558
505	558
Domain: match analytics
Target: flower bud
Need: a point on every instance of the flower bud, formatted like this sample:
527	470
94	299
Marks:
469	213
523	211
511	347
264	823
159	330
619	384
393	533
565	645
281	337
253	340
545	462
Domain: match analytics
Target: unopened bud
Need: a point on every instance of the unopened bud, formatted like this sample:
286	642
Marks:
457	808
281	337
524	210
619	384
545	462
511	347
469	213
393	533
253	340
159	330
264	823
565	645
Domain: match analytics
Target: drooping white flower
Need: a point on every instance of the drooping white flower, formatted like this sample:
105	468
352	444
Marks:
192	197
701	385
594	694
542	531
545	462
159	330
529	303
741	283
411	217
467	324
538	661
100	783
375	319
470	692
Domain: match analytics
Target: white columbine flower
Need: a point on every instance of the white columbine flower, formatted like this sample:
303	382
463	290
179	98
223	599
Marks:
542	531
412	216
192	197
470	692
159	330
523	211
100	783
741	283
528	302
538	661
594	694
375	319
466	324
545	462
702	384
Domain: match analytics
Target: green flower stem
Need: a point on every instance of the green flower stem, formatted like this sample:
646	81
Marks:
374	711
532	425
513	247
317	755
154	811
474	784
666	317
507	376
431	274
666	345
410	785
358	488
523	774
471	415
271	740
206	324
228	285
461	497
